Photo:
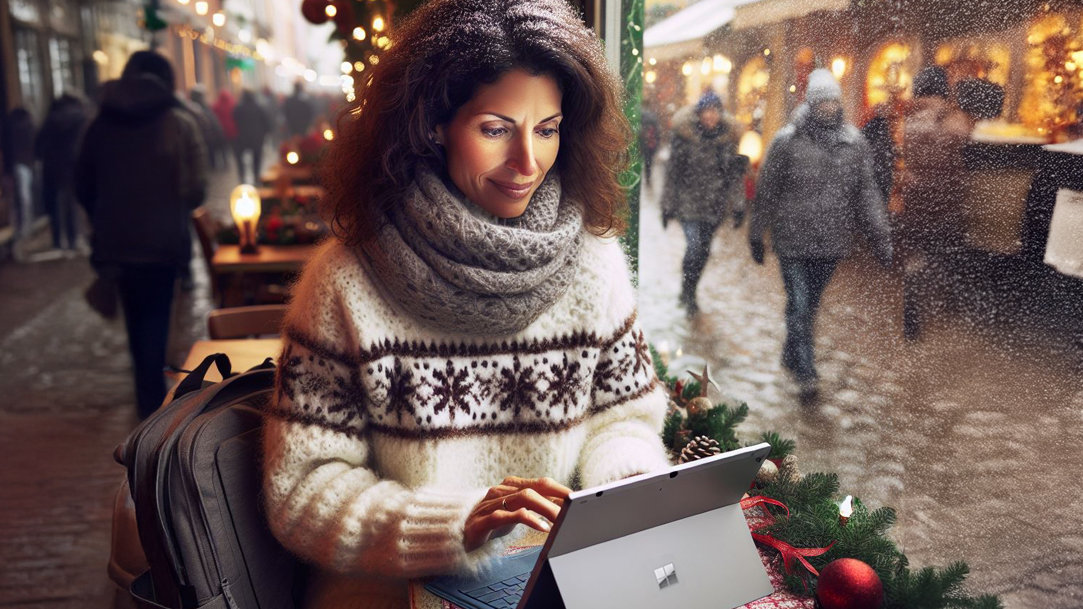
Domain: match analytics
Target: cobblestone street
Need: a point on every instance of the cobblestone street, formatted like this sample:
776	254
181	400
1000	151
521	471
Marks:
971	433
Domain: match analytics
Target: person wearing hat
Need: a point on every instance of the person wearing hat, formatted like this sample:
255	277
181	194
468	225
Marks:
932	226
815	192
702	184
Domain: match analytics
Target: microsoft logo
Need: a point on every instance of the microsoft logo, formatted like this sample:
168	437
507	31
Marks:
666	576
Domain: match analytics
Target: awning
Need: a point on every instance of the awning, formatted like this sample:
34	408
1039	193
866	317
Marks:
766	12
681	35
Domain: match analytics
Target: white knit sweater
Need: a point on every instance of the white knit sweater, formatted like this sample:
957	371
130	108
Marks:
386	433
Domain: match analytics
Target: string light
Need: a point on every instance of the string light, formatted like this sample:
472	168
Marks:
202	7
330	10
378	23
359	33
218	19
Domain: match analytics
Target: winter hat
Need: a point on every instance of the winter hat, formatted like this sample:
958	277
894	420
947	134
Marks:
822	86
710	99
931	81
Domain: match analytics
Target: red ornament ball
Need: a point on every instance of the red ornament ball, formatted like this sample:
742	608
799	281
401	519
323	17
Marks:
848	583
315	11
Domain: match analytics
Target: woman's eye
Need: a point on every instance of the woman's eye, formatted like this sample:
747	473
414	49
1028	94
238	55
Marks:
548	132
493	131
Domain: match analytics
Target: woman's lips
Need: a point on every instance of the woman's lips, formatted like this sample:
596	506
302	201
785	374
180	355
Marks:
513	190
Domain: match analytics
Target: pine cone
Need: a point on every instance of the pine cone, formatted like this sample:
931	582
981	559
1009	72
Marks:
698	448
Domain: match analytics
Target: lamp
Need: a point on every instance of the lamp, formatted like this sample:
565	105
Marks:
751	145
245	204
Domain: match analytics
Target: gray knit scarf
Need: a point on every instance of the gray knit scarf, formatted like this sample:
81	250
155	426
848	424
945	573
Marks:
458	271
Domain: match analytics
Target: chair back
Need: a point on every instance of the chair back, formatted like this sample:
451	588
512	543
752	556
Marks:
242	322
204	225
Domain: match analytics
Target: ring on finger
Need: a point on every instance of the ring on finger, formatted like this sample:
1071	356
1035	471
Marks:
504	503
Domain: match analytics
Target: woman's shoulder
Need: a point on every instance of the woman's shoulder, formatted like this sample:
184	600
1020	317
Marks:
601	298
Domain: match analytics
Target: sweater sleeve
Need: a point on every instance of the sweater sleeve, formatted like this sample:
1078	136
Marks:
629	403
323	499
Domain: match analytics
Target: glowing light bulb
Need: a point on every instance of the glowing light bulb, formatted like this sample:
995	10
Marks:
202	7
218	19
330	10
293	158
328	135
359	33
378	23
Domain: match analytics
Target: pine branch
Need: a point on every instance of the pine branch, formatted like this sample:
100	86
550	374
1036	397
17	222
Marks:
670	427
780	448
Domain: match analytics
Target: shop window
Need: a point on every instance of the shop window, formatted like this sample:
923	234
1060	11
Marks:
752	92
1053	92
29	67
983	59
890	73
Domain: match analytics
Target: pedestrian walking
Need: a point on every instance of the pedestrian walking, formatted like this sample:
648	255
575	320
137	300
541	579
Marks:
466	345
299	112
879	132
932	228
703	185
139	174
650	137
253	126
19	133
816	191
57	146
223	110
210	128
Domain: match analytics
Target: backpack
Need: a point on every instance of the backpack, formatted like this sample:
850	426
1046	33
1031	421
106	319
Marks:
195	477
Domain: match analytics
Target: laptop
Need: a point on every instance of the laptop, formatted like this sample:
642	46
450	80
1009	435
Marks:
675	538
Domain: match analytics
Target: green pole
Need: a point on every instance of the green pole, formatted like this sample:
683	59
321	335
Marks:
631	71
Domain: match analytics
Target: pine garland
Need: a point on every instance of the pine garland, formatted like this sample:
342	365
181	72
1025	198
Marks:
813	521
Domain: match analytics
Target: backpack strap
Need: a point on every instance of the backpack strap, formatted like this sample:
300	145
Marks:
194	380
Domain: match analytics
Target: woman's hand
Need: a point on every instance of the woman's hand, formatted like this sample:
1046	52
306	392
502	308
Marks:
534	502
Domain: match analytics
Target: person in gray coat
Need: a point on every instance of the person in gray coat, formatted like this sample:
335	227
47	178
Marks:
703	184
816	190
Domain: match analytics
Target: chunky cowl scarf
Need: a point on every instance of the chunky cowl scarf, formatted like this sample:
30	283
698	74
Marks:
460	272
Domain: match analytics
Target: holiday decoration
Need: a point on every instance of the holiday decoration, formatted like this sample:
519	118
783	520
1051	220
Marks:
768	473
797	515
698	405
704	379
698	448
314	11
847	583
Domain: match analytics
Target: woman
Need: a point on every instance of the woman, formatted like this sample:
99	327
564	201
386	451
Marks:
466	349
703	183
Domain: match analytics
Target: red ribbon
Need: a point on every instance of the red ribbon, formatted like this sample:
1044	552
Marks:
788	552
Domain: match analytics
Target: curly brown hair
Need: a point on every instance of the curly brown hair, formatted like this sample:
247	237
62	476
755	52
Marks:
440	56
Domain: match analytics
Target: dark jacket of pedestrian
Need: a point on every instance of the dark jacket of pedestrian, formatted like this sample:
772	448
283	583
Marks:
816	190
704	171
19	132
141	171
253	124
57	144
934	135
299	112
879	134
210	128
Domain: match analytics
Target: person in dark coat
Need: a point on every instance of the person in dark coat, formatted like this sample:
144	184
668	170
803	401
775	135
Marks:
299	112
816	190
19	131
140	173
650	137
213	136
253	126
879	132
933	227
703	184
57	146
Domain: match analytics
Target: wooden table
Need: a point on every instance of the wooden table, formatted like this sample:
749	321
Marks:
243	353
297	174
305	191
267	259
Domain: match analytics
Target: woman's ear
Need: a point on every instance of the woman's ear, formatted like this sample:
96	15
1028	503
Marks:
437	135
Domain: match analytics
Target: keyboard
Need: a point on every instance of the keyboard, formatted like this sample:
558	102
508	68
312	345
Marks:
503	594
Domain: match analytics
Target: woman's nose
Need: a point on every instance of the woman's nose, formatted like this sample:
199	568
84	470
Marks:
521	155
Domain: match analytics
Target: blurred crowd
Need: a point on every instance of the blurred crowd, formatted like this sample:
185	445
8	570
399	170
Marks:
39	154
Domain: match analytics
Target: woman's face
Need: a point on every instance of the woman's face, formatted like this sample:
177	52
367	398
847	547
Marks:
502	143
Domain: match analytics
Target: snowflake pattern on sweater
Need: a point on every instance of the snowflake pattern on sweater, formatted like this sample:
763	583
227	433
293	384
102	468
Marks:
417	390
